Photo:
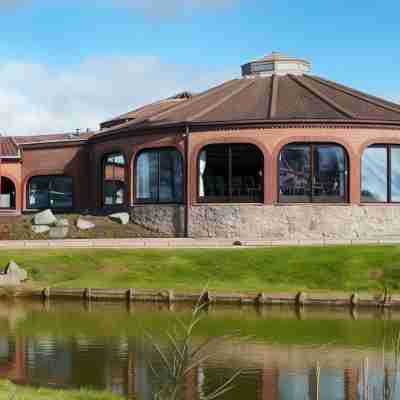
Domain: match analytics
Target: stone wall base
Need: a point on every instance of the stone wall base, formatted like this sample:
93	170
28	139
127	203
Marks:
166	219
273	222
295	222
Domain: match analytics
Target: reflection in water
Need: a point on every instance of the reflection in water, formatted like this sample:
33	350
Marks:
68	345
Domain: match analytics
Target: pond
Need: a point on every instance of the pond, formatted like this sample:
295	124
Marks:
284	353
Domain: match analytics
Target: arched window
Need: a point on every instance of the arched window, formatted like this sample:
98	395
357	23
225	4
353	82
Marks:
7	193
114	186
313	173
230	173
380	174
50	192
159	176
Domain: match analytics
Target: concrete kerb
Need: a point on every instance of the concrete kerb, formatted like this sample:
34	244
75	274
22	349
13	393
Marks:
185	243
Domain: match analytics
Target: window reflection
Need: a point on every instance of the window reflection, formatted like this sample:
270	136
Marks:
159	176
380	177
374	175
50	192
312	172
230	173
114	185
395	171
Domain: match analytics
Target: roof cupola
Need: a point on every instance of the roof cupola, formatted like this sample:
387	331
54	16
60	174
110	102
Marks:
275	64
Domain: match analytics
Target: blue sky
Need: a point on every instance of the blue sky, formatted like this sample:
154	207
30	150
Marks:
69	64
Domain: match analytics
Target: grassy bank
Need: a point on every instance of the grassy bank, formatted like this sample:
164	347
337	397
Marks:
20	228
13	392
337	268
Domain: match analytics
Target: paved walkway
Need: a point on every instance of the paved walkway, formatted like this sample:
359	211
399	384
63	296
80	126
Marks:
182	243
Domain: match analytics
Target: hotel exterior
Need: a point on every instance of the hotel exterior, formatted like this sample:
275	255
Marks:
277	154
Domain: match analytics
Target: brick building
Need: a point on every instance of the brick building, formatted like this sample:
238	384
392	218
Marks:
279	153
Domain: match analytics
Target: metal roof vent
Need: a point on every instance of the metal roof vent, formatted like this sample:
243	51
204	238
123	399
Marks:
275	63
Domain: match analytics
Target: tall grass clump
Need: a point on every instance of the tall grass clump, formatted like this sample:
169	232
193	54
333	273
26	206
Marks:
181	357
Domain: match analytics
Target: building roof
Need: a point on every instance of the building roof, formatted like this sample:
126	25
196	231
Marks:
9	148
52	137
146	111
289	96
11	145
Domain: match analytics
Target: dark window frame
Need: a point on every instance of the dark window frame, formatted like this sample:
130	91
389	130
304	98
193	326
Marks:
13	201
312	145
103	169
229	199
29	207
388	147
135	172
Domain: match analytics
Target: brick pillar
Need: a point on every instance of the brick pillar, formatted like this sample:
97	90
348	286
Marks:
270	383
351	379
191	389
19	363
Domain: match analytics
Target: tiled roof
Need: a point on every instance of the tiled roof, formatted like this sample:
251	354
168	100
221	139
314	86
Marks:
55	137
142	113
8	147
270	99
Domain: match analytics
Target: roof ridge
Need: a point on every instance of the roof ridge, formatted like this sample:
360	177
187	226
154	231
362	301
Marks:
273	102
193	100
299	80
243	86
377	101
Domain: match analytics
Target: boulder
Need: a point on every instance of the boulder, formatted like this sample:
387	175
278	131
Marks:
36	229
44	218
62	222
8	280
122	218
84	225
14	270
59	232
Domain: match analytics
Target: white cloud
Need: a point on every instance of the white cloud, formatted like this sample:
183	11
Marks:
35	98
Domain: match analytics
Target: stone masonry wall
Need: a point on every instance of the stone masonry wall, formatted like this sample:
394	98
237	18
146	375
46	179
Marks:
295	222
273	222
166	219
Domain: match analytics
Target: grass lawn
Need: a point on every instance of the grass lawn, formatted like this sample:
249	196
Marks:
336	268
9	391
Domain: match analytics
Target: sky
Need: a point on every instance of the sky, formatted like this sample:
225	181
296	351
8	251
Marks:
68	64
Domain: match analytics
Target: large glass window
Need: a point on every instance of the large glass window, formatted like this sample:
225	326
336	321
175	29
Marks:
7	193
114	185
313	173
380	174
159	176
230	173
50	192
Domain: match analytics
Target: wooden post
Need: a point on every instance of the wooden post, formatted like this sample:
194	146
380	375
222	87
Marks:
46	293
365	379
354	300
301	298
130	295
87	294
261	299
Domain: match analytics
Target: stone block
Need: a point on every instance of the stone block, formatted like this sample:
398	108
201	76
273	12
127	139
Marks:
83	224
45	217
40	229
63	222
123	218
14	270
59	232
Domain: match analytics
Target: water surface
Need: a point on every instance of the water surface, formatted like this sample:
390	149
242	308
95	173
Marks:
281	351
